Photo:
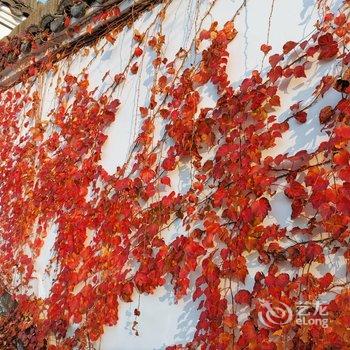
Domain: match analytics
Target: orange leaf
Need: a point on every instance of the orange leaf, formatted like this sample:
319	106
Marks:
243	297
110	38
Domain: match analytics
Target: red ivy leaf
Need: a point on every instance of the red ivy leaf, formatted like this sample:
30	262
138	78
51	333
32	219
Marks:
340	20
343	132
275	73
313	251
165	180
260	208
344	106
113	106
118	78
116	11
230	320
138	51
295	190
143	111
344	174
275	101
297	208
243	297
326	114
328	16
288	72
328	47
301	117
289	46
169	164
134	68
147	175
279	281
326	280
274	59
265	48
342	157
312	50
248	332
299	71
67	22
204	35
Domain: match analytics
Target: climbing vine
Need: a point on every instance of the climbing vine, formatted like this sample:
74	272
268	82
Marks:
112	240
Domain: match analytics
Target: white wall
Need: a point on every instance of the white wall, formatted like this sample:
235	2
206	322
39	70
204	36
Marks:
164	322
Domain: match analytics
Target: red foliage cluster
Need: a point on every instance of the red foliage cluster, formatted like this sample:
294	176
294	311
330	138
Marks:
50	173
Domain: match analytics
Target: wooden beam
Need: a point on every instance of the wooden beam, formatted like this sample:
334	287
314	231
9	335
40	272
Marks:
19	7
38	10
